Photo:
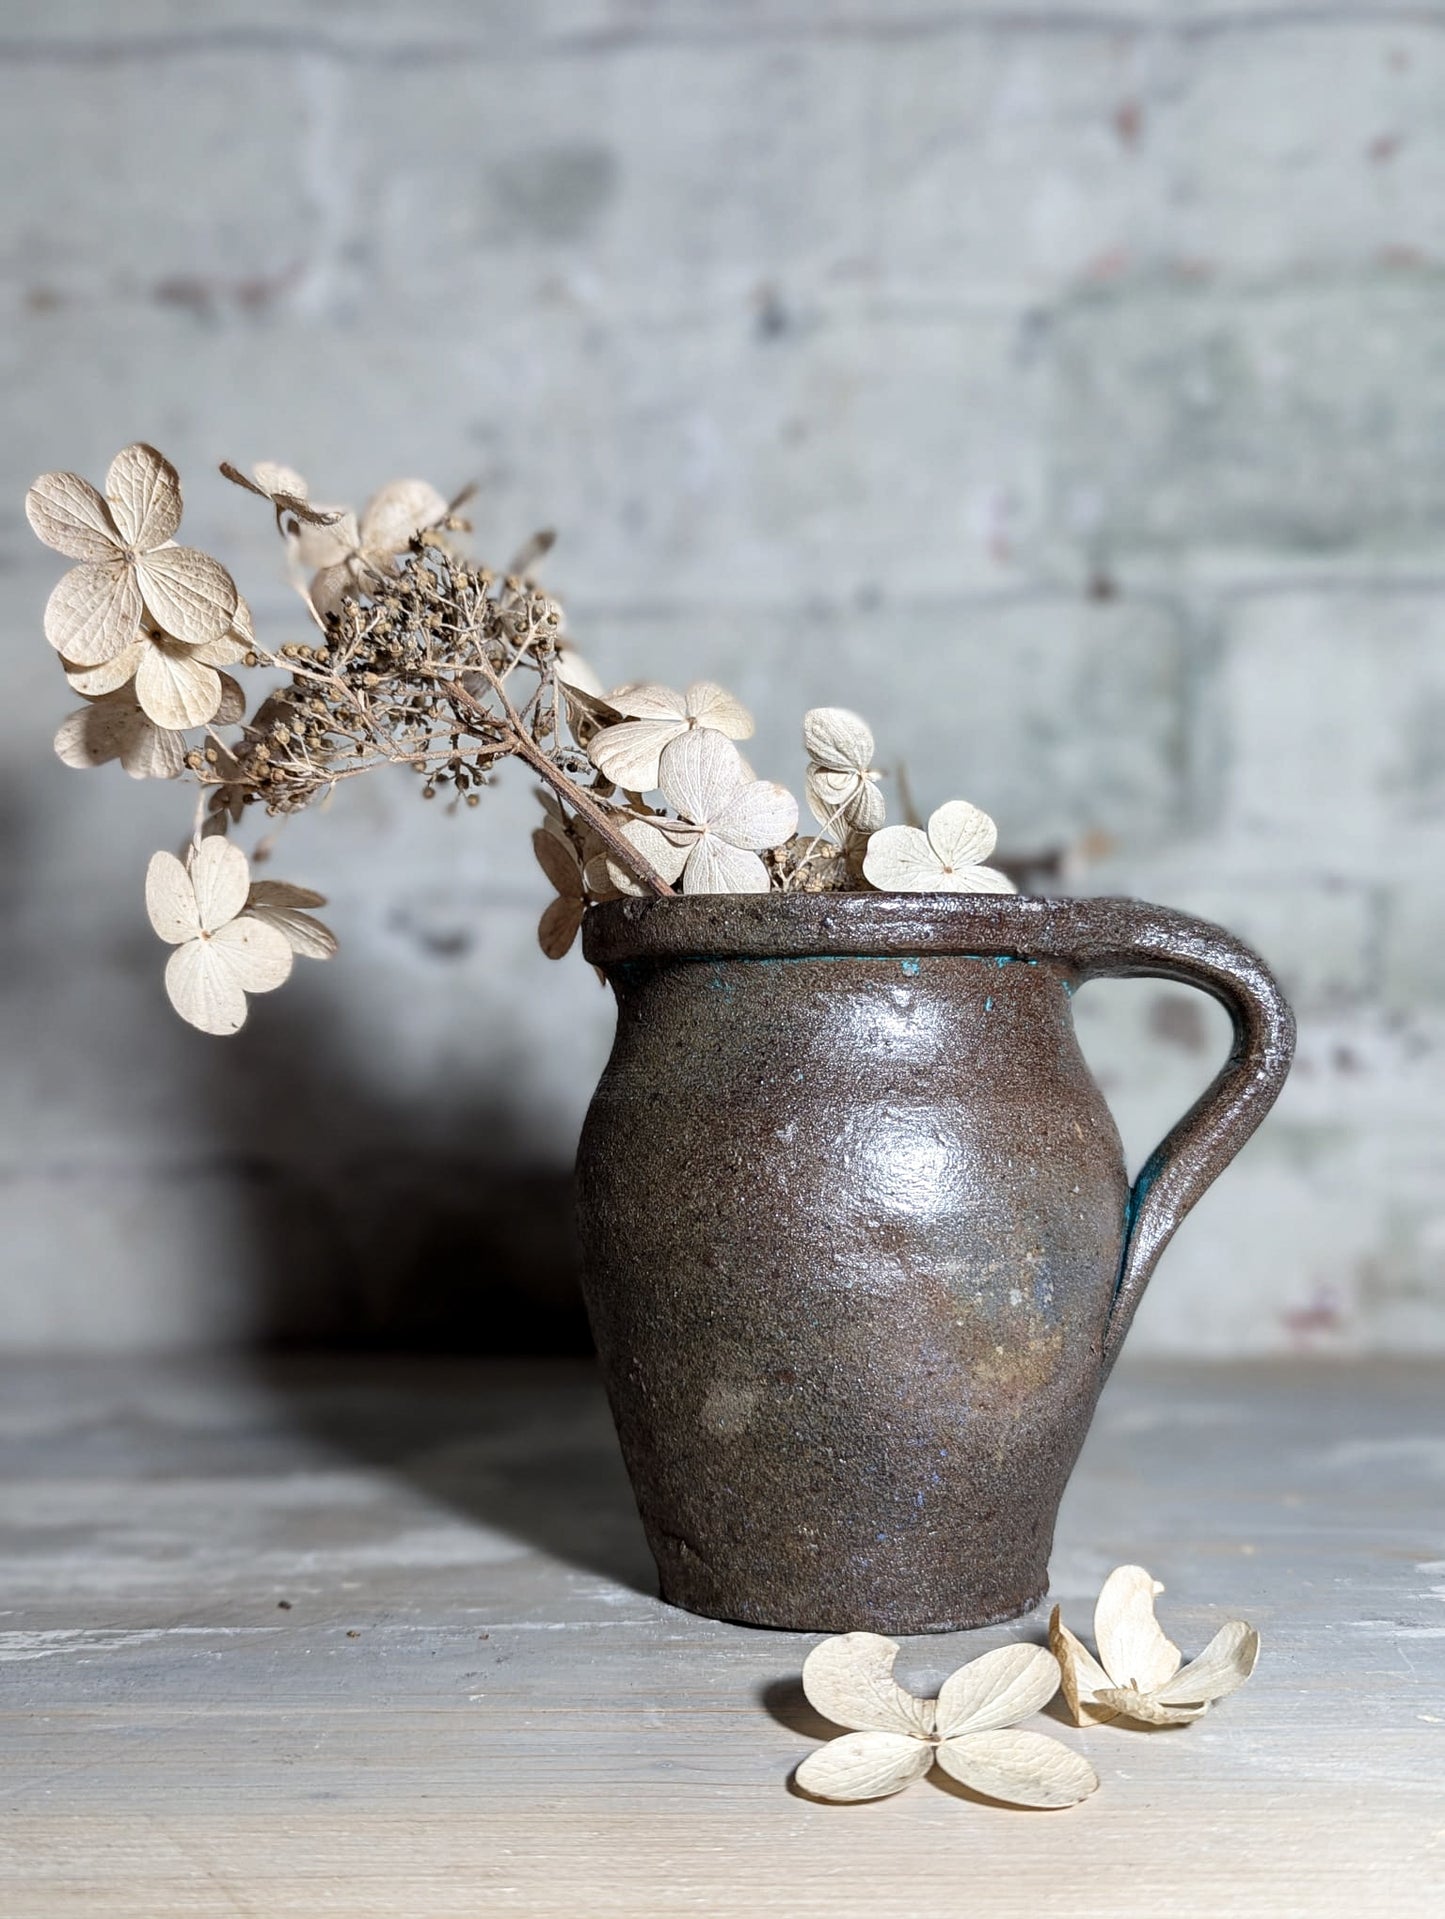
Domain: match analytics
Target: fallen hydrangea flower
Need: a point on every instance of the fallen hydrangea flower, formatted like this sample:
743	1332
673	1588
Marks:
968	1730
1140	1673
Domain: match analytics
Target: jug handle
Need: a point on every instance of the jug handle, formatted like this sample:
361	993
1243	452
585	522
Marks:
1123	939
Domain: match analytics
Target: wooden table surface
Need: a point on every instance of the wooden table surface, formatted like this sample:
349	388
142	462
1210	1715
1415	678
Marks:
332	1639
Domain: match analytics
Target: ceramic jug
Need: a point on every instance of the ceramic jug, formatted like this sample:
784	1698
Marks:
859	1243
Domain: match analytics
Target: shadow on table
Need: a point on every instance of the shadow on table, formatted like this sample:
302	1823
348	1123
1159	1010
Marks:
525	1448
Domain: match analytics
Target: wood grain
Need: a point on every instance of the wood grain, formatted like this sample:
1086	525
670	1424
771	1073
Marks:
470	1702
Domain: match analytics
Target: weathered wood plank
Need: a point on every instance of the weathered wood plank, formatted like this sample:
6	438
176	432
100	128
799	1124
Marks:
472	1703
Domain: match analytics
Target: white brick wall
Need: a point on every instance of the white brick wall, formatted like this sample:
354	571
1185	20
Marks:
1064	387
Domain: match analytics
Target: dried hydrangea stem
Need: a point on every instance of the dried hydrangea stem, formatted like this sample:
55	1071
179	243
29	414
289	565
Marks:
820	838
577	797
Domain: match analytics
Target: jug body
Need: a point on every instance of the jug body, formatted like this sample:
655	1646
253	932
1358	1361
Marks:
853	1222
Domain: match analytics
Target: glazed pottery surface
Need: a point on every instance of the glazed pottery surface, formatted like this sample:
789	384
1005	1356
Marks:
859	1242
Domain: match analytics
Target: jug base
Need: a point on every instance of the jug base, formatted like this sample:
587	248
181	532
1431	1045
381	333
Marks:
904	1619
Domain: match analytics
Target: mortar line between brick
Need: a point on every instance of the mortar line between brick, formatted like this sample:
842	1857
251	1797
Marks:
621	40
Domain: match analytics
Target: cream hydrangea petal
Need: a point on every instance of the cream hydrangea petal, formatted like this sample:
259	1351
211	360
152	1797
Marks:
559	926
1020	1768
759	816
974	879
243	631
709	705
399	511
836	738
151	752
666	855
175	689
558	860
143	491
700	772
257	955
849	1679
1127	1702
865	810
961	835
171	899
648	700
221	880
333	584
233	701
322	545
1133	1648
208	979
1081	1677
998	1689
110	675
68	514
901	859
1223	1666
282	893
835	796
204	991
715	866
229	650
273	478
574	671
864	1765
114	728
93	612
277	904
828	791
191	595
630	753
87	739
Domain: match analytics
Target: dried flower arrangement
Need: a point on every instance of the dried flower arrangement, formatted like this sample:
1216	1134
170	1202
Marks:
426	660
971	1729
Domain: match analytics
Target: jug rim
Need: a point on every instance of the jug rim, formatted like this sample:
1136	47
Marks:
848	925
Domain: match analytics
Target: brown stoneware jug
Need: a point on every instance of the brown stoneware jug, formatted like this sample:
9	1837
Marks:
860	1247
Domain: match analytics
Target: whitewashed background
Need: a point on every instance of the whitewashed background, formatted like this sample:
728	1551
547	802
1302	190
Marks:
1064	387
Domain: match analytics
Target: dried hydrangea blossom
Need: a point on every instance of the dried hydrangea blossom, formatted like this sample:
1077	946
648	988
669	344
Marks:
725	819
946	859
969	1730
429	661
130	564
630	753
562	921
114	727
1140	1673
351	558
231	649
842	781
222	952
181	686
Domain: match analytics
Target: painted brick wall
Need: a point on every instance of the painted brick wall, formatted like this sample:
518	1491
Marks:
1063	387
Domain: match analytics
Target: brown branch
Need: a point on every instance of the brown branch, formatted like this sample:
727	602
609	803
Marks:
522	744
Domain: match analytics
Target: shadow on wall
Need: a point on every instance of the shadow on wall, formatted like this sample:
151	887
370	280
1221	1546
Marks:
384	1224
385	1221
